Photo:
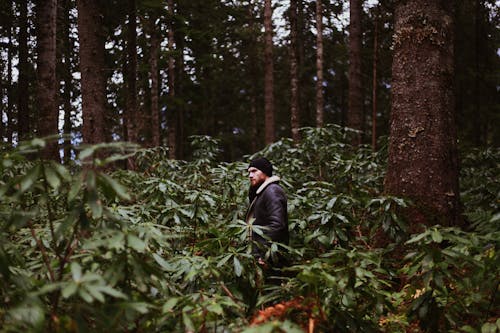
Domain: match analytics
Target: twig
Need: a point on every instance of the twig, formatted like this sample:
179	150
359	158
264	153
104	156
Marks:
42	250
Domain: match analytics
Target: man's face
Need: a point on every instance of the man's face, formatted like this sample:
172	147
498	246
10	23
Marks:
256	176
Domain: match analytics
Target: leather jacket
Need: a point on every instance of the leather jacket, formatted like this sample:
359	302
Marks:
269	210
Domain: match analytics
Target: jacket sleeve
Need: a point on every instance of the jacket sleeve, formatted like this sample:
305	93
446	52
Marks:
276	208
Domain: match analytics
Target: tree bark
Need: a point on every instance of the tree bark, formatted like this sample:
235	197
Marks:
355	114
172	112
65	51
90	26
374	83
154	76
2	128
10	97
131	75
46	72
23	112
319	64
294	74
423	162
269	124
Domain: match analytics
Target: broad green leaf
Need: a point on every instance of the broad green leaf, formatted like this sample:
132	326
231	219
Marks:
331	203
86	153
489	328
76	271
224	260
61	170
436	236
170	304
84	294
111	291
75	188
215	308
118	189
94	291
52	177
29	179
238	269
162	262
188	323
136	243
69	290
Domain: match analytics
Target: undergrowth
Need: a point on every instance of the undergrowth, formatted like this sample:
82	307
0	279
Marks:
87	247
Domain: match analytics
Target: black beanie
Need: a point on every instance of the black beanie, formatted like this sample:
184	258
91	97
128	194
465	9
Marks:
263	165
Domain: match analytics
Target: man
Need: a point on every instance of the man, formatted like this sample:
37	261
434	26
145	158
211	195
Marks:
267	213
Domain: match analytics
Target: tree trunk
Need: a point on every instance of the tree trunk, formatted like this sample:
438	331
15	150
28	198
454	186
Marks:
65	49
23	113
423	162
2	128
10	97
255	140
294	74
319	65
172	114
355	114
154	75
90	26
374	83
268	74
131	75
46	72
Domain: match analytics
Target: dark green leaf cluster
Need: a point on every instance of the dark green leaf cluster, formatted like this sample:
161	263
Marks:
84	247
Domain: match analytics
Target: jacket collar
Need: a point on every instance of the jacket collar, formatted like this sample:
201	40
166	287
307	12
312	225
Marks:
268	181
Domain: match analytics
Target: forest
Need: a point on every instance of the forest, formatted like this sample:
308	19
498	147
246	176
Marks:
127	128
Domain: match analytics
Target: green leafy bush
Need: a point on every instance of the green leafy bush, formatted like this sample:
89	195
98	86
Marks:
89	247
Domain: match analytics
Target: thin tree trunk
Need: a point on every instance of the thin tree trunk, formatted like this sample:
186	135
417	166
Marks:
90	22
319	65
423	159
46	71
2	127
172	114
268	74
355	114
304	115
23	113
131	75
10	97
294	74
153	64
254	77
65	58
374	84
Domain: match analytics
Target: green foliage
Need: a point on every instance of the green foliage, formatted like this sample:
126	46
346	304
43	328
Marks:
165	248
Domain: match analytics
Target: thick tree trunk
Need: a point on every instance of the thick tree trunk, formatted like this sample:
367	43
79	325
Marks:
46	71
23	112
93	79
153	64
269	124
319	65
172	110
423	163
294	74
355	114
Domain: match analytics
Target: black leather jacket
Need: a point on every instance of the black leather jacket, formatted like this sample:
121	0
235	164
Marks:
269	209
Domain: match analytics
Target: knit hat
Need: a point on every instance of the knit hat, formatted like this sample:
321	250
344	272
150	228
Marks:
263	165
